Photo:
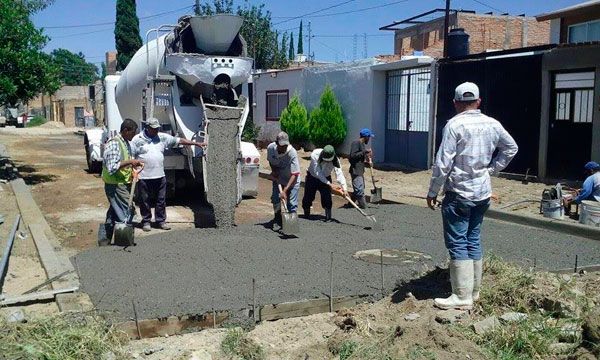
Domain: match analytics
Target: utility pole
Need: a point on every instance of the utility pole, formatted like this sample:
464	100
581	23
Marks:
446	25
309	36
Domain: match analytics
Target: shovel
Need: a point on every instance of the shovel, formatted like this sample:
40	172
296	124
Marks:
376	192
371	218
124	232
289	221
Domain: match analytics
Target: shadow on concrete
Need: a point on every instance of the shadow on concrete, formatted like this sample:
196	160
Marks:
435	283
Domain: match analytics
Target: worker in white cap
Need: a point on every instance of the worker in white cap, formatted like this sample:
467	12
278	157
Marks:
463	165
285	171
318	178
149	146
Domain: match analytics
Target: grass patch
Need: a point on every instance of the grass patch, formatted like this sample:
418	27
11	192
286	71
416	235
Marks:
347	349
36	121
63	337
419	353
237	343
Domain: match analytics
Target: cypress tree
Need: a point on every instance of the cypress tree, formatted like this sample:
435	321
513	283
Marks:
127	32
327	124
300	47
291	51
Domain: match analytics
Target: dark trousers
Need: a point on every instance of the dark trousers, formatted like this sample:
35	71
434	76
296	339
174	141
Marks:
311	186
152	194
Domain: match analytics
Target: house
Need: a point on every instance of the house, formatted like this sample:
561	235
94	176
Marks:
574	24
424	33
70	105
570	117
392	98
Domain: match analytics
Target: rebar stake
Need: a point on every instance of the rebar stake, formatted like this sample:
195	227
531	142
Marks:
331	284
254	299
137	322
382	278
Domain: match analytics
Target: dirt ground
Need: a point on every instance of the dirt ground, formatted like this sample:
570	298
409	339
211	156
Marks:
411	187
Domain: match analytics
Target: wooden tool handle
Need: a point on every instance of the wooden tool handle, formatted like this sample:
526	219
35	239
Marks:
283	203
354	204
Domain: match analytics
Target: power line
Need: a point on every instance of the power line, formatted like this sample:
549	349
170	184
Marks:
79	34
361	10
488	6
315	12
112	22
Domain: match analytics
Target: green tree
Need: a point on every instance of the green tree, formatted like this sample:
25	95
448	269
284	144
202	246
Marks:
300	46
25	70
291	51
103	71
283	56
127	32
327	124
294	121
218	7
74	70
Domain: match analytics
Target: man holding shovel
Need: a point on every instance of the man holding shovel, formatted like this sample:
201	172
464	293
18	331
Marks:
117	173
318	178
359	157
463	166
285	171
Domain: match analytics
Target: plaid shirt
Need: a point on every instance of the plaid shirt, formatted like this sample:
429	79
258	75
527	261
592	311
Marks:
464	161
112	154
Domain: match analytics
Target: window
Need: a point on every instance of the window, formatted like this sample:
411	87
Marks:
277	100
588	31
574	96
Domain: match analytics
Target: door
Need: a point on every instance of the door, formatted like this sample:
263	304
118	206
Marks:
79	116
407	117
570	131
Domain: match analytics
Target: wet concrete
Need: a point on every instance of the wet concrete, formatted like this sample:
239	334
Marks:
197	270
221	158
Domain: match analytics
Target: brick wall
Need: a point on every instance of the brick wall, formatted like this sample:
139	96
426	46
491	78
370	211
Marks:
486	32
111	62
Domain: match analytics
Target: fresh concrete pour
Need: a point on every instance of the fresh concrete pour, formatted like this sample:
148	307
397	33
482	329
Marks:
222	156
198	270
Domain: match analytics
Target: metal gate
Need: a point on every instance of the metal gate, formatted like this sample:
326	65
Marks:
570	132
407	117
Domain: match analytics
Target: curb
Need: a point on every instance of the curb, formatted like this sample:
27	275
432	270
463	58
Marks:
541	223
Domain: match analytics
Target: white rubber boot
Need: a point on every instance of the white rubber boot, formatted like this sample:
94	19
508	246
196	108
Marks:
461	278
477	274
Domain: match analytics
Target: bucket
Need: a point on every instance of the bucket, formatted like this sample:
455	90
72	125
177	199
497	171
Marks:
590	213
552	209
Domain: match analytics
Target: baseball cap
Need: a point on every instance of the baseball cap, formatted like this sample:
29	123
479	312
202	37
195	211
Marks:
153	123
328	153
282	139
466	91
366	133
592	165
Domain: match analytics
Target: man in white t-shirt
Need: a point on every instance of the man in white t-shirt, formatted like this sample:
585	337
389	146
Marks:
149	146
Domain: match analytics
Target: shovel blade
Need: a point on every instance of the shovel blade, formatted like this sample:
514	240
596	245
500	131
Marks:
124	234
376	195
289	224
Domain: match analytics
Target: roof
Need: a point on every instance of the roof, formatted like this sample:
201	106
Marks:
420	19
571	10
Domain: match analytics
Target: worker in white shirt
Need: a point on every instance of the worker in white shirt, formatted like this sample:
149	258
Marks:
463	165
149	146
318	178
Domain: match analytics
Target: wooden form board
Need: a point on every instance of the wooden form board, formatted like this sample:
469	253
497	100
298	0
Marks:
306	307
171	325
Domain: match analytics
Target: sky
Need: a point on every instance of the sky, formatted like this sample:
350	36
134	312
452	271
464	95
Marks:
87	25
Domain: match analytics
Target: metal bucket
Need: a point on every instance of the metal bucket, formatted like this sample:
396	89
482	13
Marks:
553	209
590	213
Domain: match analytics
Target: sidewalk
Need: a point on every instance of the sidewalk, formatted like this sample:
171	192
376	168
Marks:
410	187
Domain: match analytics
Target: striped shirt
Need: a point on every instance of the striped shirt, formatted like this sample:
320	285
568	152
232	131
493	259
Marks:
112	156
464	160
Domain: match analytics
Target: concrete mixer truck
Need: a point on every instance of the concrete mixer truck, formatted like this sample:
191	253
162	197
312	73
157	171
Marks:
189	76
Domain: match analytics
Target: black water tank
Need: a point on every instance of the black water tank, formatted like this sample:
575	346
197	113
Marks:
458	42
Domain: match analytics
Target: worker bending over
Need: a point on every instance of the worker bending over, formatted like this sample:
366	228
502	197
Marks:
117	173
360	157
318	178
150	146
591	185
285	171
463	166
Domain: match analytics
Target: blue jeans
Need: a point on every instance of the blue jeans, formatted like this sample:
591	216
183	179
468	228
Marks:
462	220
358	184
292	203
118	210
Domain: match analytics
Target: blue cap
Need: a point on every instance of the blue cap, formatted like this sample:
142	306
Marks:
366	133
592	165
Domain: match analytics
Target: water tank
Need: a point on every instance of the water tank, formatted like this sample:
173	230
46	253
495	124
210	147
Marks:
458	42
